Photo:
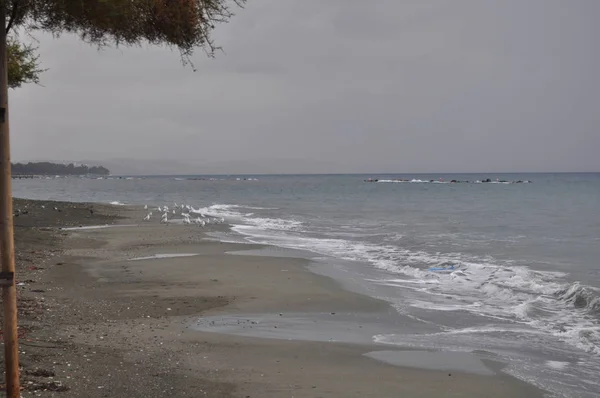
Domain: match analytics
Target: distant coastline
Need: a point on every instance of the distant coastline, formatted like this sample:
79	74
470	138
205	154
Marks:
48	168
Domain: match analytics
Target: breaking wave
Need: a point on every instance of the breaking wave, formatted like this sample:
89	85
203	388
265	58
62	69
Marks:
481	285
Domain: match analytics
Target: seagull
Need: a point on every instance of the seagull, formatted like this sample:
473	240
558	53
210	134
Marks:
200	221
147	218
145	207
173	211
159	209
164	218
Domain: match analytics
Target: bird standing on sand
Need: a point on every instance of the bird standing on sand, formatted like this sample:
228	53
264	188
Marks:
164	218
145	207
147	218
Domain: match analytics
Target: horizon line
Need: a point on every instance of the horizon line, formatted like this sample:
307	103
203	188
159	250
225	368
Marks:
348	174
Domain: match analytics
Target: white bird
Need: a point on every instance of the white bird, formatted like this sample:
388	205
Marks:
200	222
145	207
186	220
173	211
147	218
175	205
165	208
159	209
164	218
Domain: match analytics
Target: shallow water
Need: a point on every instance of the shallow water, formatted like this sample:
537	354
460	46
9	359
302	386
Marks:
523	279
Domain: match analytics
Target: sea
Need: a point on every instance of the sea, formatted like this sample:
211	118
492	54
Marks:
508	268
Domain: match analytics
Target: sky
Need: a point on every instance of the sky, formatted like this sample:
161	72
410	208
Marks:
332	86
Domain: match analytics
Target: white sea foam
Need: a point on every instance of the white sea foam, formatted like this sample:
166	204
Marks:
480	285
419	181
229	213
560	365
117	203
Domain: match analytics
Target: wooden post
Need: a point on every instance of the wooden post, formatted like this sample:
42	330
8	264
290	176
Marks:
7	247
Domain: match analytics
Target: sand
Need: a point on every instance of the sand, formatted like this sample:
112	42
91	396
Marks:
207	324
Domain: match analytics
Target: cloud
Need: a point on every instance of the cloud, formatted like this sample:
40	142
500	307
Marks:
345	85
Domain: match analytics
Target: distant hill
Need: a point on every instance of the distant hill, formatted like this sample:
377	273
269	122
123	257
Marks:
48	168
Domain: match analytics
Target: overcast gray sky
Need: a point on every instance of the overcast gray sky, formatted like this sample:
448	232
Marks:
334	86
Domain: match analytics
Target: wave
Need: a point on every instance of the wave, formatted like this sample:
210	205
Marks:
414	180
226	206
229	213
582	297
480	285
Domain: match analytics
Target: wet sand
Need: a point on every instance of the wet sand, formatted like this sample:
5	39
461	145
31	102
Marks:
209	323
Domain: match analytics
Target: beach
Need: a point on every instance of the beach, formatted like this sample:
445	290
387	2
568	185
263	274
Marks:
110	312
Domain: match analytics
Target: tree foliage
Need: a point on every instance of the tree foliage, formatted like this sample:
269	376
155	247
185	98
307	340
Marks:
184	24
47	168
23	64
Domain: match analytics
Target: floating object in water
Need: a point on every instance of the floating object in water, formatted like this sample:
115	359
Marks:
442	269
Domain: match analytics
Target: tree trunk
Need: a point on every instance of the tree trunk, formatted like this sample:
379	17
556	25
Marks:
7	248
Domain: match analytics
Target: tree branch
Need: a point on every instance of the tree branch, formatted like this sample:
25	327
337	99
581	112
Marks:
13	15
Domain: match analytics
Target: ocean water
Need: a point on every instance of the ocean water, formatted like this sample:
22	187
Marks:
511	270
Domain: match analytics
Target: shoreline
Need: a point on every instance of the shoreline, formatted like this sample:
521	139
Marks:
111	326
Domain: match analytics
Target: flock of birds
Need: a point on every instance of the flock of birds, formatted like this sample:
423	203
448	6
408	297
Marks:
188	214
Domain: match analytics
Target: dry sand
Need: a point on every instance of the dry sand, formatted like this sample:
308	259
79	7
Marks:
101	325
